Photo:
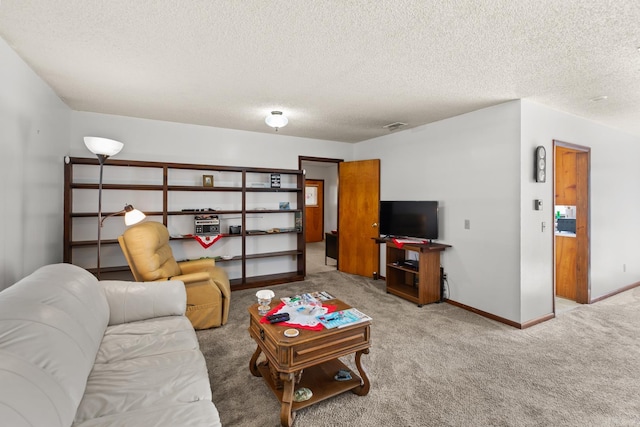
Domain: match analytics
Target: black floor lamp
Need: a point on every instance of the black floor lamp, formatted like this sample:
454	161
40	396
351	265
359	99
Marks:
105	148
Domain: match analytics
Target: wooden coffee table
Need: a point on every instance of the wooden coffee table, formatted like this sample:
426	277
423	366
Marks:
308	360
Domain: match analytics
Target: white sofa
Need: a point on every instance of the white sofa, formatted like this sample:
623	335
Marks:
78	352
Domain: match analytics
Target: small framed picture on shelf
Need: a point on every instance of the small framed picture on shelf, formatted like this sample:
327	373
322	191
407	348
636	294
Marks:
207	180
275	180
284	206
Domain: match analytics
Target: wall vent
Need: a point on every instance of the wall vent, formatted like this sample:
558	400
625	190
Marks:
393	126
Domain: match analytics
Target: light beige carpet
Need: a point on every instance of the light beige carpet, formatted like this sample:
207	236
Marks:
440	365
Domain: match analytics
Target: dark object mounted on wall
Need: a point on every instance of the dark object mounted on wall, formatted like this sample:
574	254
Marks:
540	167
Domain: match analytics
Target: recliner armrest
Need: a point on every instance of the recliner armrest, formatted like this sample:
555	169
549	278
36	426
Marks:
200	276
196	265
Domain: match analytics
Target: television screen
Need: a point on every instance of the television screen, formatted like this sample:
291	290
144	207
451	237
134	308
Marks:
407	218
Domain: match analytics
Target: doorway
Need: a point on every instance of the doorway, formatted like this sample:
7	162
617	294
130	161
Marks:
571	224
314	210
357	198
324	170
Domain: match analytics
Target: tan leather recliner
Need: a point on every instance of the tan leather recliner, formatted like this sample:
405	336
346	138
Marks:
147	250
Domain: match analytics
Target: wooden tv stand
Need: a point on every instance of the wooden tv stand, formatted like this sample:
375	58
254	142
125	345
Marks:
421	286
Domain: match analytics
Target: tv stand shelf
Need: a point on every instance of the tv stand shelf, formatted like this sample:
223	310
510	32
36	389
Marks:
421	286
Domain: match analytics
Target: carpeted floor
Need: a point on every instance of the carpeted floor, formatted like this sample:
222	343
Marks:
440	365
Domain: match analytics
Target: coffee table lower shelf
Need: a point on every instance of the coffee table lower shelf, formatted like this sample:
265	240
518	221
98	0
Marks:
319	379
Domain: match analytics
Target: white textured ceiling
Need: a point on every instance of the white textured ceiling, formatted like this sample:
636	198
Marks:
340	70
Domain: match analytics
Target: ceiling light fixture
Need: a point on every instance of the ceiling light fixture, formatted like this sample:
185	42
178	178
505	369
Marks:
276	120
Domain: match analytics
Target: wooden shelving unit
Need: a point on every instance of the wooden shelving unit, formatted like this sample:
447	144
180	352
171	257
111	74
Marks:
152	187
421	285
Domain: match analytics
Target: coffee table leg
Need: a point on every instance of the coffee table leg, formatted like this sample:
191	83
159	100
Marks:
253	367
365	384
286	416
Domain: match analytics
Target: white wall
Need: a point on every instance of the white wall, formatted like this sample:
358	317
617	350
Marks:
615	203
155	140
152	140
34	136
471	165
479	166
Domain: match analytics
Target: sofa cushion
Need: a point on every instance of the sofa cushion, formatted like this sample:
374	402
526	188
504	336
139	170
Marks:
145	383
196	414
146	367
147	338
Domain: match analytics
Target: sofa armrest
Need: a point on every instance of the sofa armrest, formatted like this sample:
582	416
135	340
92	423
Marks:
196	265
133	301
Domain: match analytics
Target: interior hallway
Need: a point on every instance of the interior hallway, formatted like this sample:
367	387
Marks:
316	259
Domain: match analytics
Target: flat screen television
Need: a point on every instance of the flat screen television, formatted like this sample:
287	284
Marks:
406	218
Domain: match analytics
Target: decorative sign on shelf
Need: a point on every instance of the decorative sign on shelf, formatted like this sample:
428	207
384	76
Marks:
275	180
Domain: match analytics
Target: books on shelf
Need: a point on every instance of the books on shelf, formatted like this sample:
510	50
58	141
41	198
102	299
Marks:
342	318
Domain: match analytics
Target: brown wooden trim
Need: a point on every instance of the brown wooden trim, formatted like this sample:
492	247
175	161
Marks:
571	146
616	292
263	281
317	159
68	202
534	322
540	319
165	196
188	166
302	261
142	187
583	231
485	314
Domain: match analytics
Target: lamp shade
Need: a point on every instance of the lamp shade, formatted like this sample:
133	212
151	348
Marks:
132	215
276	119
103	146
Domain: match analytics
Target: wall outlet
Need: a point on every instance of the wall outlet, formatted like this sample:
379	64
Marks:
467	224
624	268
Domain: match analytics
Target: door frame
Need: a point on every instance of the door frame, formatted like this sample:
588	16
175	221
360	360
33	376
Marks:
320	160
583	218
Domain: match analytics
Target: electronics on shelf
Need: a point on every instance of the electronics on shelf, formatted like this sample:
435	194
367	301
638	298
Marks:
207	225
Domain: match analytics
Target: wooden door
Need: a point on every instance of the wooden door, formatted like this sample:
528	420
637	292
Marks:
314	210
566	271
571	183
358	203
